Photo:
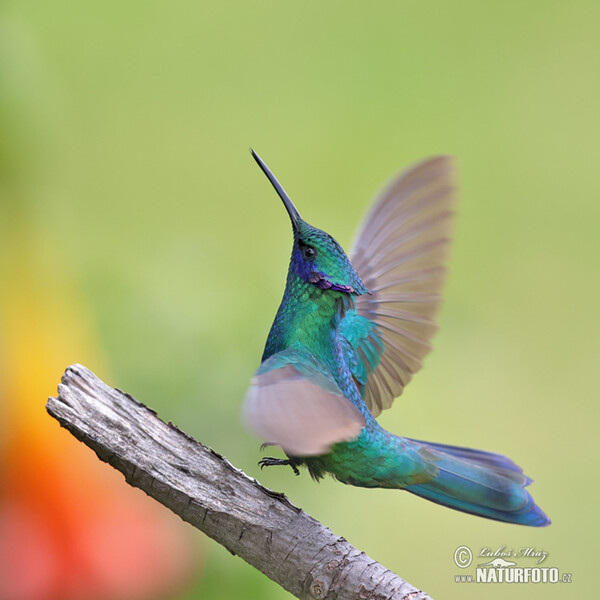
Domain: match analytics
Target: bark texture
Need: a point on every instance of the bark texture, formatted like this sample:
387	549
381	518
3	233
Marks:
203	488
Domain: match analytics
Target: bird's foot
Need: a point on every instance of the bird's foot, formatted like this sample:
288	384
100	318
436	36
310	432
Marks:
269	461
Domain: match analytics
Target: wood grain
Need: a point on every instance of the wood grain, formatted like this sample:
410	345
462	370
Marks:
204	489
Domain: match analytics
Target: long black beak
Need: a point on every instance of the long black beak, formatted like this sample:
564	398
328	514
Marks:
289	205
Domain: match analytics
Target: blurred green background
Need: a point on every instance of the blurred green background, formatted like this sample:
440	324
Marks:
127	127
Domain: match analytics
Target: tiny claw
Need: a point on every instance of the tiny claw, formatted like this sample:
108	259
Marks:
270	461
266	445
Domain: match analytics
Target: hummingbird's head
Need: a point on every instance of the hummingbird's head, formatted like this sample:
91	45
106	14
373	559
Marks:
320	260
316	257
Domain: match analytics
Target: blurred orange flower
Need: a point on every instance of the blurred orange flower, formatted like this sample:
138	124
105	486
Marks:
70	526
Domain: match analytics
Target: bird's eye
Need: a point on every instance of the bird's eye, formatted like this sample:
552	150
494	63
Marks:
309	252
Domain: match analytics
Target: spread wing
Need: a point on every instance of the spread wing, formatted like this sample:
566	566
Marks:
296	405
399	254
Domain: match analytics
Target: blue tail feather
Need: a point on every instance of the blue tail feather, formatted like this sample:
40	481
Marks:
478	482
481	456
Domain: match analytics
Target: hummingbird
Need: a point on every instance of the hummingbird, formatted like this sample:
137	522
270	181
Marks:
348	336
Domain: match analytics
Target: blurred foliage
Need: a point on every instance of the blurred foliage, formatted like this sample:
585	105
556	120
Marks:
129	124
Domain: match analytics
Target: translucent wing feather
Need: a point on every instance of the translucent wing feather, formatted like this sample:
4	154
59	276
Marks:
399	253
293	404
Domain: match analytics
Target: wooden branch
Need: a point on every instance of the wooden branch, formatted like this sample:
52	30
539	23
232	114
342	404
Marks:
203	488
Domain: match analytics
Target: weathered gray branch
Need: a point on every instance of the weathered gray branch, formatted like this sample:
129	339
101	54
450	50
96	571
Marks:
203	488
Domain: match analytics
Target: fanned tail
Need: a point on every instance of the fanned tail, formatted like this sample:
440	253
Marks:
481	483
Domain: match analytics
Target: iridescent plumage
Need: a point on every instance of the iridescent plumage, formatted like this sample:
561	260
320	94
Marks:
347	338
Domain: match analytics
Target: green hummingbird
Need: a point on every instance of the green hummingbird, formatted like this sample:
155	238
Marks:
349	335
